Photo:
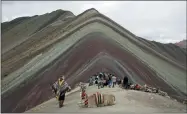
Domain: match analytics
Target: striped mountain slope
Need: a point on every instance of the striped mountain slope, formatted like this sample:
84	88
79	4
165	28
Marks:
78	46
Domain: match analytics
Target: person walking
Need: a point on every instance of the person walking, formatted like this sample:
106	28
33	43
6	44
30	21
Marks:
62	88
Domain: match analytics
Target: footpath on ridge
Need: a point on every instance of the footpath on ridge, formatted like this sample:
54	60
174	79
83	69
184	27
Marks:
126	101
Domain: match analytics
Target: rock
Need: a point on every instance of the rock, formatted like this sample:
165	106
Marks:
149	90
162	93
144	87
185	101
132	86
168	97
155	90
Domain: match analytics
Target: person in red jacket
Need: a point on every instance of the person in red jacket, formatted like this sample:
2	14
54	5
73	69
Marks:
137	87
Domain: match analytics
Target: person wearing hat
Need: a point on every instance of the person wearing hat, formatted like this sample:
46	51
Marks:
62	88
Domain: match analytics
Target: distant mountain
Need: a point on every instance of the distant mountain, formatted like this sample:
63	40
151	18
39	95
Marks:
181	44
21	29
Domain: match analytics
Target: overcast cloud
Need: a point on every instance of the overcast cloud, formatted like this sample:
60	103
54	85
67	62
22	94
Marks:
162	21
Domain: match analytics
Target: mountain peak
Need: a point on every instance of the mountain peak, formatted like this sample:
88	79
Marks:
182	43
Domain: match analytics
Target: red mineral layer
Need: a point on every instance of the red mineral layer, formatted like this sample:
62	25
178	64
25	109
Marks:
37	89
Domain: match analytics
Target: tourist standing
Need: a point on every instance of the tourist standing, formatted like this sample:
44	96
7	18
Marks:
110	80
113	81
125	82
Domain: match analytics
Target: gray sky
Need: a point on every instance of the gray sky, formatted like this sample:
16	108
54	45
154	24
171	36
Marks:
162	21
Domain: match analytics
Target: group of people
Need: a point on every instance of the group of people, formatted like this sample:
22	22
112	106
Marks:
103	79
60	87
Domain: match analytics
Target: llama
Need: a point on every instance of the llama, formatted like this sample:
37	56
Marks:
95	100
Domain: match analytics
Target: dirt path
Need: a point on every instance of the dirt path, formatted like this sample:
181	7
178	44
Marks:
126	101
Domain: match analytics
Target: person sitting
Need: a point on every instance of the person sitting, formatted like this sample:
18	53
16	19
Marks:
137	87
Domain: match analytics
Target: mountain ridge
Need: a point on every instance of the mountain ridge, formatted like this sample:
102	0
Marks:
63	46
182	44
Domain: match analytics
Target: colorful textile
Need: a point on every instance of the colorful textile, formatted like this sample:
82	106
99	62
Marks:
62	87
99	98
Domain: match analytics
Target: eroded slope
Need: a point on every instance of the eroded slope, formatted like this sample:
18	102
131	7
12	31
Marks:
86	57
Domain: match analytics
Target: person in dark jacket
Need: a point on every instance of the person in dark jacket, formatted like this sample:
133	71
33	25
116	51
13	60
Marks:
100	75
96	79
125	82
